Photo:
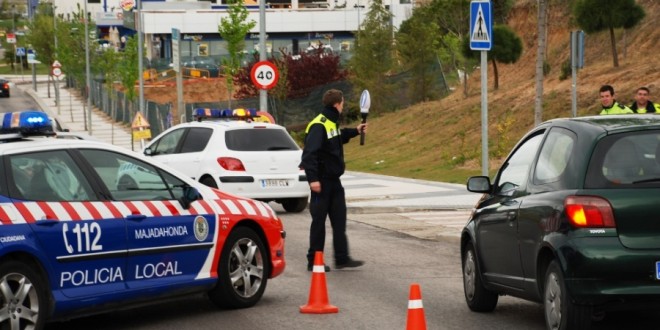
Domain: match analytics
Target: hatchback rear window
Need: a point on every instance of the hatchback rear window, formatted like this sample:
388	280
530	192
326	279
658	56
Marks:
626	160
259	139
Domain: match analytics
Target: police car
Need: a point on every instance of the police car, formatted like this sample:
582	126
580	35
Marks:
75	240
239	152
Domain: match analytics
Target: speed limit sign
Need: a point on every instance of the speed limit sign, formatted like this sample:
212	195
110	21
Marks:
264	75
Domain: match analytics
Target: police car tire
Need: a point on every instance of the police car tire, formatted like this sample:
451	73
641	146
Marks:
12	275
294	205
225	295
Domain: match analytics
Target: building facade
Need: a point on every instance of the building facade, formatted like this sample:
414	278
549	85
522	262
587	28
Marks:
291	26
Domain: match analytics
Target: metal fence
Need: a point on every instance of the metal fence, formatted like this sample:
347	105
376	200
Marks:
287	112
117	106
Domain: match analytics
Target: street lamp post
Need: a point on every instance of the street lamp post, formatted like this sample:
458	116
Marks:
13	30
57	79
89	99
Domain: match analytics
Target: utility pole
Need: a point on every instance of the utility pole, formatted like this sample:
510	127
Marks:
263	94
87	73
140	57
57	79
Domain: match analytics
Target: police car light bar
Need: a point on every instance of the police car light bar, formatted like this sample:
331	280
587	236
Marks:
26	123
240	114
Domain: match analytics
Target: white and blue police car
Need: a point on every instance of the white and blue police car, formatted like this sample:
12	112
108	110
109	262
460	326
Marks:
76	240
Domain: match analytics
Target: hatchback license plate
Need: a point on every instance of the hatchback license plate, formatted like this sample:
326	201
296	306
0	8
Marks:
657	270
274	183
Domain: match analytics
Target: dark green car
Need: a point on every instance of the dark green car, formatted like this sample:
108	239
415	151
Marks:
571	220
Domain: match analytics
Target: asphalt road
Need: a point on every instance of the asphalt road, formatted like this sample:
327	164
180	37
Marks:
372	297
18	100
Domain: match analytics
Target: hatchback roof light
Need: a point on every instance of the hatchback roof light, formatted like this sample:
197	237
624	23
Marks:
26	123
589	212
237	114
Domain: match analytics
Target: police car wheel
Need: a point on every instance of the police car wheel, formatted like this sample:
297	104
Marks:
294	205
23	297
243	270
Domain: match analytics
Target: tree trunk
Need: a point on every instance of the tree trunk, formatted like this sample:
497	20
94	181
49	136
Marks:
495	75
540	61
614	55
465	83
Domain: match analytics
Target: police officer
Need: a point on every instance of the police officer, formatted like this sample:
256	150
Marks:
642	103
323	162
610	105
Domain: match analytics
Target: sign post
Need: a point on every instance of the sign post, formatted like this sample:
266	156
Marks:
140	127
32	59
481	38
56	70
577	61
176	60
20	53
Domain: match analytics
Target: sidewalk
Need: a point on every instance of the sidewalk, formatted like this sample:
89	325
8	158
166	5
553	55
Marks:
423	209
71	112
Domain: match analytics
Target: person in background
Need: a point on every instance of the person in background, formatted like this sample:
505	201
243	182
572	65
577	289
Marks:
323	162
610	105
642	103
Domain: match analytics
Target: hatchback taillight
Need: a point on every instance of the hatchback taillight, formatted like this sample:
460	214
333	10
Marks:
231	164
589	211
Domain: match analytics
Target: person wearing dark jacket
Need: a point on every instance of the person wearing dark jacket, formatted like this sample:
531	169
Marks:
323	162
642	103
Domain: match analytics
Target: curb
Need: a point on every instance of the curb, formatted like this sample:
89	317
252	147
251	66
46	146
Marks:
399	209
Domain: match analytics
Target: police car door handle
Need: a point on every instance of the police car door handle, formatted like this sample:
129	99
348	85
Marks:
136	217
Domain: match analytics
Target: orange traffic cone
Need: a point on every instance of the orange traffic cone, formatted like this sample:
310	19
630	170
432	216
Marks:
318	294
416	319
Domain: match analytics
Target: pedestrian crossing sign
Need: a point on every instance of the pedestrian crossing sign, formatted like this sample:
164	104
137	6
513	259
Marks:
481	25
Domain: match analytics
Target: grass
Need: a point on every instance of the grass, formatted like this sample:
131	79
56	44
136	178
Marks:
7	70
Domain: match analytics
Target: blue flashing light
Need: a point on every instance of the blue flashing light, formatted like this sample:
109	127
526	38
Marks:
26	123
241	114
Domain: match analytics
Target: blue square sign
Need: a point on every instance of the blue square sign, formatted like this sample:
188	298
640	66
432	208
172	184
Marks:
481	25
20	51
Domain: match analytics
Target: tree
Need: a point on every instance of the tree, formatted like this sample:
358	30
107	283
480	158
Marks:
71	45
417	46
233	29
129	67
373	57
598	15
540	60
507	48
500	10
41	35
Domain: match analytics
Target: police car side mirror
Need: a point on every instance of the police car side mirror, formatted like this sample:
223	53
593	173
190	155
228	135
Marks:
190	194
148	152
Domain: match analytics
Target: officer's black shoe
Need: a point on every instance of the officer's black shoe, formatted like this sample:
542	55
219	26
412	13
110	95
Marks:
310	267
349	263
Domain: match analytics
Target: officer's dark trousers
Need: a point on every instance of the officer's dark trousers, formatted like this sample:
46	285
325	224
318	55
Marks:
330	202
